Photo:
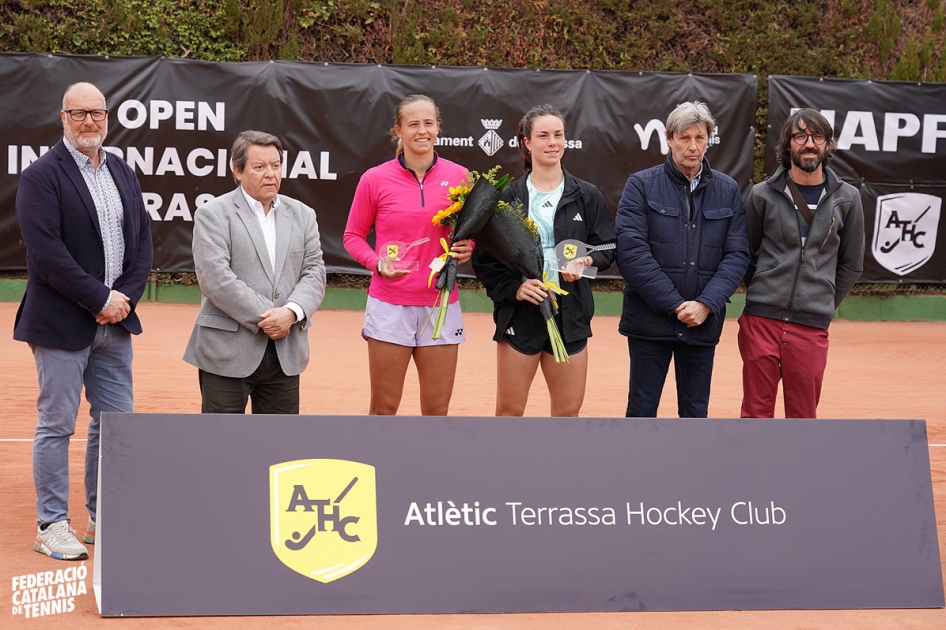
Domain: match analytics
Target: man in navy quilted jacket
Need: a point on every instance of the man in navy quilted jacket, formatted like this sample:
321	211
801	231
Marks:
682	250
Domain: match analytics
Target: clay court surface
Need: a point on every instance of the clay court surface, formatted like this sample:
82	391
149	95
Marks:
875	370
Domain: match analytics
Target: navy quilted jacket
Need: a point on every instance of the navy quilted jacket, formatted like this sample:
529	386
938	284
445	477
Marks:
675	245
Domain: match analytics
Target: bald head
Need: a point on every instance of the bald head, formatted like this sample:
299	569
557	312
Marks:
83	90
80	129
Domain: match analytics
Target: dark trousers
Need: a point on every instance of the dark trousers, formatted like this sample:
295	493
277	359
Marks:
650	360
270	390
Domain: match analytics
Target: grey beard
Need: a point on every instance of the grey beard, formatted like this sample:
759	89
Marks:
88	143
85	142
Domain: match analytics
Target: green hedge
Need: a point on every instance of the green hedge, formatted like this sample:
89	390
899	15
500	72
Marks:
880	39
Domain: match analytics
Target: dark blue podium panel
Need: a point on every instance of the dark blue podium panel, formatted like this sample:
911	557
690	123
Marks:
288	515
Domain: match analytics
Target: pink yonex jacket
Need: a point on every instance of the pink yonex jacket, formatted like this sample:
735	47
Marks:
401	209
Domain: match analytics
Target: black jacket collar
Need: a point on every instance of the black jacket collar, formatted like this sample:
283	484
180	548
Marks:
572	189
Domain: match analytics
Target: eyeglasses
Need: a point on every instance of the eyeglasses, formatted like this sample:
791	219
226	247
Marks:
801	138
78	115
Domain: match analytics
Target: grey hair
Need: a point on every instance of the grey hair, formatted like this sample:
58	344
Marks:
244	141
685	115
65	94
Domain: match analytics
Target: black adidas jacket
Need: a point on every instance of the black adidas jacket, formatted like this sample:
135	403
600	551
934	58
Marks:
582	214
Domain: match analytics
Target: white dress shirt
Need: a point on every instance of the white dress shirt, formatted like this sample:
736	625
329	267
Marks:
267	222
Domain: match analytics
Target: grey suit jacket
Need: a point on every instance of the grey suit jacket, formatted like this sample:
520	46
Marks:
238	284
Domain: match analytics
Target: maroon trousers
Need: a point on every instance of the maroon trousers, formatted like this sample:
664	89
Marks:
774	350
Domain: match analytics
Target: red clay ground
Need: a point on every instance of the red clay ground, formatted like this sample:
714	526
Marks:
875	370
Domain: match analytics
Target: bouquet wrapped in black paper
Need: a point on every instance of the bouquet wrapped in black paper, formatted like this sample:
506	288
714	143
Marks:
472	206
511	236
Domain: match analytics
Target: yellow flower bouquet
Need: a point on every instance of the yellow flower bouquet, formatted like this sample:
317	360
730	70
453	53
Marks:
472	202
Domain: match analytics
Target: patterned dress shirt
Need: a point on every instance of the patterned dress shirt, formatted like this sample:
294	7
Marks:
108	206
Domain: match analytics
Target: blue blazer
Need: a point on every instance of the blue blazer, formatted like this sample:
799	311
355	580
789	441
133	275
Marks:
65	260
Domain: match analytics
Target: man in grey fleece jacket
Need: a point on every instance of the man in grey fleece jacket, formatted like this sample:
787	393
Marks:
800	271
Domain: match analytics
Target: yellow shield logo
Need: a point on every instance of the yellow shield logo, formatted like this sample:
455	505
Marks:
392	251
323	516
570	251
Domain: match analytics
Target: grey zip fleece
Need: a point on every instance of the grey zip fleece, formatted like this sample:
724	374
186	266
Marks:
802	284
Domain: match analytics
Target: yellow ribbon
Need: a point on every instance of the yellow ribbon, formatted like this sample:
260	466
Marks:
447	254
552	285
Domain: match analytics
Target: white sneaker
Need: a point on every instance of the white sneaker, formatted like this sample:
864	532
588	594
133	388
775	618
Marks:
59	542
89	537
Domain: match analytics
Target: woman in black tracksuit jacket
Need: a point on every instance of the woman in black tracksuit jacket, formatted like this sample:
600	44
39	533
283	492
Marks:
563	207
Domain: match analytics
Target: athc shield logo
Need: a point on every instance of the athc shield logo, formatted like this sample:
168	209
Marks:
905	231
323	516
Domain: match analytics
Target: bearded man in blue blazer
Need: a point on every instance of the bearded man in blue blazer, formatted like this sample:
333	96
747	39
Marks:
259	263
88	258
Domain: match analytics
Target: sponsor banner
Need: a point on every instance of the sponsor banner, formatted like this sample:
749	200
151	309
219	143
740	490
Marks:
891	137
370	515
886	131
174	121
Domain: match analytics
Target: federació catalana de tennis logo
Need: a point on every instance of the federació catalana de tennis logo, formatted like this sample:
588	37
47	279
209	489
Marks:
323	516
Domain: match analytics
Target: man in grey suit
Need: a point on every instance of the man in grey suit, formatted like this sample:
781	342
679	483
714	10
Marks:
259	264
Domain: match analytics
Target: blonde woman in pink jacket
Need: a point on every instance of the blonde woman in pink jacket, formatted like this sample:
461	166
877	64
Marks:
399	199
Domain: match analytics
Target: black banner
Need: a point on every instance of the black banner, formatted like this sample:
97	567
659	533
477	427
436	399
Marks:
891	138
174	120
